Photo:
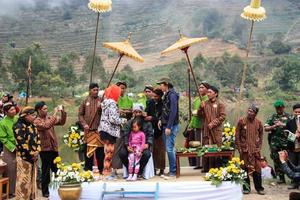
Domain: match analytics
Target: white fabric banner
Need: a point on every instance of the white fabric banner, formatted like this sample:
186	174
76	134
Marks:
180	190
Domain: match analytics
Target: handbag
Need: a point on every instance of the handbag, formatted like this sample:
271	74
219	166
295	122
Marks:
187	131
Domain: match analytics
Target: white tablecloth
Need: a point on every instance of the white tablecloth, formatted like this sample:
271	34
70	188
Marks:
180	190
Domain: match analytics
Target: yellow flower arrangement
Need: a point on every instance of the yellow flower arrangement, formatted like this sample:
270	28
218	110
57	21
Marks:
228	136
74	138
232	172
70	173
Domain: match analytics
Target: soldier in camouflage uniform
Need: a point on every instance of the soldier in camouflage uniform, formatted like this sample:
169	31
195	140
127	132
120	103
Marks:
277	139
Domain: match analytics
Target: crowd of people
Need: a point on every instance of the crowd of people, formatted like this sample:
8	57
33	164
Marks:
120	133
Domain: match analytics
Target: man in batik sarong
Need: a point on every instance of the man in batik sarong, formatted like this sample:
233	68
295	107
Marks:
248	140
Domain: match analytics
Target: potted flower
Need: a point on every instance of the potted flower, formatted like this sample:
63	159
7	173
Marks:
233	172
68	179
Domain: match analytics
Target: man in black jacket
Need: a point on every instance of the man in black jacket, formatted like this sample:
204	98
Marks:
147	129
169	121
294	147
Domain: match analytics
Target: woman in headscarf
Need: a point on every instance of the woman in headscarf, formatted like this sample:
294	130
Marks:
9	144
110	124
27	149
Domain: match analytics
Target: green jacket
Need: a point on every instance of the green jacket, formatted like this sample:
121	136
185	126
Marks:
277	137
196	121
7	136
143	101
125	102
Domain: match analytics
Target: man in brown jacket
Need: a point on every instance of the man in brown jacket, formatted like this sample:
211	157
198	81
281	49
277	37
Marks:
49	144
213	113
248	140
89	117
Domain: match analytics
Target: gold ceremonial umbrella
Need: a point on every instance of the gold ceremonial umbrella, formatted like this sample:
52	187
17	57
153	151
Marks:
99	6
183	44
124	49
255	13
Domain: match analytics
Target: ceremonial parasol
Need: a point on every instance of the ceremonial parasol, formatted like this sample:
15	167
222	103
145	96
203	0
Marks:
99	6
255	13
183	44
29	73
124	49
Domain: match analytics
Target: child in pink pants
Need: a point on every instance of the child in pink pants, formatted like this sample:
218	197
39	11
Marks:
136	146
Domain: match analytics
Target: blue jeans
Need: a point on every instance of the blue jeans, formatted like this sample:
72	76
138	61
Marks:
170	147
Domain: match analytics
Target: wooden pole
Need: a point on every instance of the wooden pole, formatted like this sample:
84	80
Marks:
120	57
94	52
185	50
28	80
189	94
244	70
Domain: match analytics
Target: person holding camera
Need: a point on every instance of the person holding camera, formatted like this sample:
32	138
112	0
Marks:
292	171
293	147
49	145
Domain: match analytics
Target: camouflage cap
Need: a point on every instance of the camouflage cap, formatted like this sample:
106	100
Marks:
279	103
165	80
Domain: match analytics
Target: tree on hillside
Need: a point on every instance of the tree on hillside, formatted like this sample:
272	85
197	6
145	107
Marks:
99	71
213	24
228	69
278	47
19	64
65	68
49	85
3	74
287	75
261	42
178	74
239	30
126	74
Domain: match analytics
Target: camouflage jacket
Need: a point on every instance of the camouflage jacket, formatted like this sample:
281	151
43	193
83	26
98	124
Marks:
278	138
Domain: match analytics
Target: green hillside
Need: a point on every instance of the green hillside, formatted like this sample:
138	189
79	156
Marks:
154	23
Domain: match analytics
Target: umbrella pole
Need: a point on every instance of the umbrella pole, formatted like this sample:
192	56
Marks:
189	95
185	50
244	69
95	43
120	57
28	80
27	89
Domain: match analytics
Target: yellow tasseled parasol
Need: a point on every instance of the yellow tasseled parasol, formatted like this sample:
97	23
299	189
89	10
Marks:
100	6
124	48
182	43
254	11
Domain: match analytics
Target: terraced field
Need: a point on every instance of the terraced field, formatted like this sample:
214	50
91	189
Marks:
154	25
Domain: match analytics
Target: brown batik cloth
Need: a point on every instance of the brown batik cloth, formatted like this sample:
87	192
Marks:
93	141
26	180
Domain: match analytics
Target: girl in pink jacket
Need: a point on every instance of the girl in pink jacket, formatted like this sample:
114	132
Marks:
137	141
